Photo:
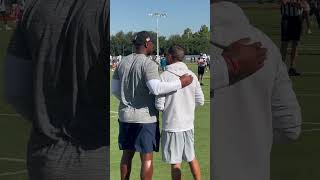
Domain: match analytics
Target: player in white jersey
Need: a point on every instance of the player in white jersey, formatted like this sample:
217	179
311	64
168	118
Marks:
291	27
201	67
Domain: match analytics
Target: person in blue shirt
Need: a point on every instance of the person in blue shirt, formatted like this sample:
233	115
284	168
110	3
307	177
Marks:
163	63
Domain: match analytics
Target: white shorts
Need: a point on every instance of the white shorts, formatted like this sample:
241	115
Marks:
177	146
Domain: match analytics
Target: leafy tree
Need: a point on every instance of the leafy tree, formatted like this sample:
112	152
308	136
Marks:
193	42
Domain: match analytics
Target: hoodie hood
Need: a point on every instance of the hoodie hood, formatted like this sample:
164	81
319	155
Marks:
178	68
231	26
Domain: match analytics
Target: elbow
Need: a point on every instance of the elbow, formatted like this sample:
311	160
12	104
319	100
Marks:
292	137
154	92
201	103
287	124
296	132
295	138
286	137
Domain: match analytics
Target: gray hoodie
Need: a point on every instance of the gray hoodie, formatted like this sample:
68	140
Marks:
178	107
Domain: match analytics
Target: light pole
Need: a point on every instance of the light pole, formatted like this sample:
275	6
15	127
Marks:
157	15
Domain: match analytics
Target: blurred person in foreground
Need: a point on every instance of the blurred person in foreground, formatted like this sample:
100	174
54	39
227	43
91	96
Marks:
253	113
56	77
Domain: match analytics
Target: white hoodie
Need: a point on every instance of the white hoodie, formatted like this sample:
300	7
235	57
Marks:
178	107
249	116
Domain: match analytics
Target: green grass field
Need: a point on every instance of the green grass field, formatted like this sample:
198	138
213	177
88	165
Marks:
298	161
161	169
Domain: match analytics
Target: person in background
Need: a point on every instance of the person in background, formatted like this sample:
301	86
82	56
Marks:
201	68
291	30
163	60
163	63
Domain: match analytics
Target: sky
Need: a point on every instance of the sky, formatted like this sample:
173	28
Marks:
132	15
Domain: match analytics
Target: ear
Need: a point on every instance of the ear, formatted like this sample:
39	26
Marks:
169	57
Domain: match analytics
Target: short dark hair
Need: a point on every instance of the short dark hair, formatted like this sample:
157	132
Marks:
177	52
141	38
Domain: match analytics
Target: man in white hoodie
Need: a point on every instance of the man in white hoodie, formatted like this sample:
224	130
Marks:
252	114
177	137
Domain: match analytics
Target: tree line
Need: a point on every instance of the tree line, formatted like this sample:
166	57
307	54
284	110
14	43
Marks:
193	42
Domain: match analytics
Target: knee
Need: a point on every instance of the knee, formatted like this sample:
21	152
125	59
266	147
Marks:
147	163
176	166
126	158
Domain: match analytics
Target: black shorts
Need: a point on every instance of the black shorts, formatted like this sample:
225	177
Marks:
139	137
291	28
201	70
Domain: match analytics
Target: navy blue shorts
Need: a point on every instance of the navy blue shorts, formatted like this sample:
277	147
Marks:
291	28
201	70
139	137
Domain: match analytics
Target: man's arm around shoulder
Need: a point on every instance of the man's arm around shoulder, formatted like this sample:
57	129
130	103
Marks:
160	99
